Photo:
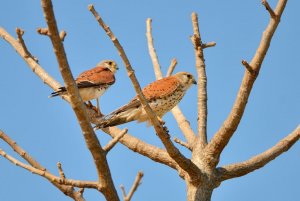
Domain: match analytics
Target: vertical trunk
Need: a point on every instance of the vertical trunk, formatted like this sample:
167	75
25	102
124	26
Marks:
198	193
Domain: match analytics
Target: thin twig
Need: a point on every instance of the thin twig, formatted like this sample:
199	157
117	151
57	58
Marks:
209	44
181	160
186	145
27	54
269	9
49	176
249	68
68	190
171	67
115	140
152	51
184	125
123	192
226	131
60	171
93	144
256	162
202	82
134	187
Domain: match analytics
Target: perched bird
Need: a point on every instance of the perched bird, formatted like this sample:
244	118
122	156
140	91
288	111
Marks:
162	95
94	82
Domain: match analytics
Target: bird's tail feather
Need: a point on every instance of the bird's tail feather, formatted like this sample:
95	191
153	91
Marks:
115	119
60	91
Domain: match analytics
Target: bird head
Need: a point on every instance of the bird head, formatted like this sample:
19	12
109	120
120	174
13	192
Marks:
110	64
186	79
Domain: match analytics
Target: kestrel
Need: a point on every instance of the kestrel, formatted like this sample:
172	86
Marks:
162	95
94	82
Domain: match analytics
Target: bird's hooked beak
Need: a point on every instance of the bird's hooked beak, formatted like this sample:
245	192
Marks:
194	81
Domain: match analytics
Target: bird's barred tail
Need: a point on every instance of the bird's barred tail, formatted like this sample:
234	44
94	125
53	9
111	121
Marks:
59	92
117	118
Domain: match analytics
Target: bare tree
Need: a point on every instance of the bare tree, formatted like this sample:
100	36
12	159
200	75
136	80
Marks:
201	172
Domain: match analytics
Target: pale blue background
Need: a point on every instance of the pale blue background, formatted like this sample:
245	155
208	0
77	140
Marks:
48	130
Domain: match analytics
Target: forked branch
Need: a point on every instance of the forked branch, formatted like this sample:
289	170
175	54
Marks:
34	66
134	187
49	176
68	190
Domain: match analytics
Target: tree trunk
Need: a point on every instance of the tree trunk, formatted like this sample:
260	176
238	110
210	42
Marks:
198	193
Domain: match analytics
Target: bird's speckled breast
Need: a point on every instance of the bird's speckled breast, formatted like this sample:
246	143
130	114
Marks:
165	104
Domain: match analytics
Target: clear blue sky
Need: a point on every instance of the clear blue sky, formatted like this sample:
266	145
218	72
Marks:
48	130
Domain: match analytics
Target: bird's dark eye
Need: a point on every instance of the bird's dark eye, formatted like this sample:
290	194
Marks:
110	63
189	76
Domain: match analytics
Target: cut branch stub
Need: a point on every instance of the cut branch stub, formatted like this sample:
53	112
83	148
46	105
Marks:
249	68
43	31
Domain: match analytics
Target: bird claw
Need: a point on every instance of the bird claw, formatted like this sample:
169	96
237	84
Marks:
89	105
166	129
160	121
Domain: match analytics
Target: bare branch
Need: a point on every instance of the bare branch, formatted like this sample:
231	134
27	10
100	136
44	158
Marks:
68	190
269	9
202	82
186	145
134	187
171	67
34	66
20	151
49	176
115	140
223	135
180	159
93	144
243	168
152	52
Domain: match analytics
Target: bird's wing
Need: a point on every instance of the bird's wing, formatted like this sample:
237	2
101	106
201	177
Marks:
161	88
95	77
158	89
